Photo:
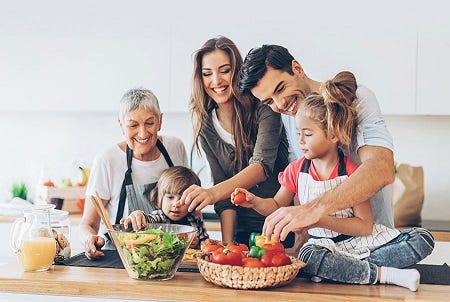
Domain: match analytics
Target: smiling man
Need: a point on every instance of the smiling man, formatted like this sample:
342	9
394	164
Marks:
272	75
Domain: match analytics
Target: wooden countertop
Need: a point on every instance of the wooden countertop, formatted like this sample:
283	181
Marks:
185	286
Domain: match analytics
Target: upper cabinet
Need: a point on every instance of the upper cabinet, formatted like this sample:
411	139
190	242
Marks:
433	63
83	56
380	48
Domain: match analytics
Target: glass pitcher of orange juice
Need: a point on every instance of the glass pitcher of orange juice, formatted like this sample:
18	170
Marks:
32	238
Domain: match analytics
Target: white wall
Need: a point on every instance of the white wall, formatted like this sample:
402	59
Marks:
33	140
64	65
80	55
425	141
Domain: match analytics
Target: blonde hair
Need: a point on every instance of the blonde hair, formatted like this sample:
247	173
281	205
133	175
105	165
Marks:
173	180
201	104
334	108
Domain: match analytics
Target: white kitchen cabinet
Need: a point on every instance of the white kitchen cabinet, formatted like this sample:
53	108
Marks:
433	72
81	56
379	48
381	60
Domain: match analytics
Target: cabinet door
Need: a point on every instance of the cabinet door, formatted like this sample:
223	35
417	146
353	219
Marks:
382	61
379	48
433	72
81	56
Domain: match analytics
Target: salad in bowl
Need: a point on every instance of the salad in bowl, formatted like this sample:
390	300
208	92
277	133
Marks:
154	252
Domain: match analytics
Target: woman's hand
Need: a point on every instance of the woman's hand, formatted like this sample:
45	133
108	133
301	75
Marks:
92	247
197	198
243	198
137	220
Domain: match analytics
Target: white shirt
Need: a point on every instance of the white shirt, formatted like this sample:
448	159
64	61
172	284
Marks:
109	167
223	134
371	131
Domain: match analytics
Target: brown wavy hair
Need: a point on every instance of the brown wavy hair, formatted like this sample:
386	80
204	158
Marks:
244	106
334	108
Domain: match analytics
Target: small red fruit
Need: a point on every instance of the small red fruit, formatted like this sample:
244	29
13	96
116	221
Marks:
239	198
49	183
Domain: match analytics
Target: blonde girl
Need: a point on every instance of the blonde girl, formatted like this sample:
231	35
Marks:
345	246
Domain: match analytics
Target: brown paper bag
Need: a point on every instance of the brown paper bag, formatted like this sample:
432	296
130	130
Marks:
408	195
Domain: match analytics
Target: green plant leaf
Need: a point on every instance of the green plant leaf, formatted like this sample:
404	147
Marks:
19	189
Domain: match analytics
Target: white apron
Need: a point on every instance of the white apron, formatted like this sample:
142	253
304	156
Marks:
354	246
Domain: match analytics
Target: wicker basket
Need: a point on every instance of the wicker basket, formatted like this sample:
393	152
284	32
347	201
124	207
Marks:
247	277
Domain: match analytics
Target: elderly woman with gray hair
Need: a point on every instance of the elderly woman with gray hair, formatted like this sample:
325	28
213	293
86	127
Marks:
124	174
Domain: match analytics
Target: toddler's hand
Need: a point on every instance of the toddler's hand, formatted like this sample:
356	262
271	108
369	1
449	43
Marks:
137	219
194	242
242	197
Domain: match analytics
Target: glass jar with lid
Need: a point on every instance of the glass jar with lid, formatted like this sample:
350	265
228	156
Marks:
61	231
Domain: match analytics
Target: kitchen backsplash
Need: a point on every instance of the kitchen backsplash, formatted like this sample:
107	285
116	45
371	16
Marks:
32	141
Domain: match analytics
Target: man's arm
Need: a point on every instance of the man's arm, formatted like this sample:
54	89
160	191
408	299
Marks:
375	172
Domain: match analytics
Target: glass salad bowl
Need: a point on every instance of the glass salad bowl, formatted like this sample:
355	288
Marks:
155	252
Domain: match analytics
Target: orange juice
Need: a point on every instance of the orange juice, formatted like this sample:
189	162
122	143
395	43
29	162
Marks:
37	254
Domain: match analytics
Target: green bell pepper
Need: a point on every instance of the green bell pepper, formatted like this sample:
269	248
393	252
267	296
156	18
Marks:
252	239
256	252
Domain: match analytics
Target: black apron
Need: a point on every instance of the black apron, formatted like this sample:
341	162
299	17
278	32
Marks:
138	195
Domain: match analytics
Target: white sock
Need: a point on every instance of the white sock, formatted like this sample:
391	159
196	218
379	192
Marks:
316	279
408	278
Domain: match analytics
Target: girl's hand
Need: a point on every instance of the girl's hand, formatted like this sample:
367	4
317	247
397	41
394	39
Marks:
137	219
242	197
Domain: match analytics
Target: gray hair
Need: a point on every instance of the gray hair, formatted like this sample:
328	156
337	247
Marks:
138	98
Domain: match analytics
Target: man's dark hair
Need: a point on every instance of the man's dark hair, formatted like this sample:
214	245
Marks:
256	63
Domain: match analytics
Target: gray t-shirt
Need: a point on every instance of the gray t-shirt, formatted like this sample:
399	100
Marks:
371	131
270	150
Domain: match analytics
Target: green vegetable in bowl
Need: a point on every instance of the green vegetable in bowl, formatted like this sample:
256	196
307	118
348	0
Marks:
153	253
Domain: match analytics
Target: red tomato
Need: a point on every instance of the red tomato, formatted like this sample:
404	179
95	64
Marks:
227	257
276	247
49	183
239	198
80	204
211	247
266	259
273	258
237	247
252	262
280	259
182	235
